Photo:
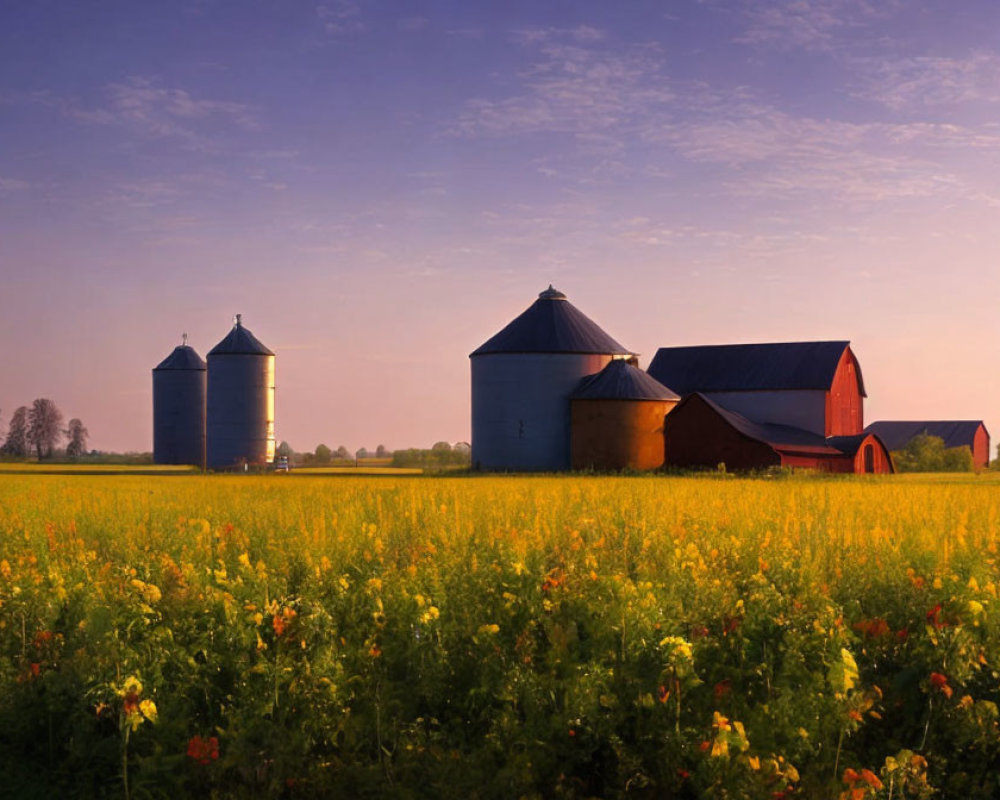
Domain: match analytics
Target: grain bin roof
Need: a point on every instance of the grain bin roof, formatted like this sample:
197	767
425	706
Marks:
750	367
183	357
897	433
619	380
239	341
552	325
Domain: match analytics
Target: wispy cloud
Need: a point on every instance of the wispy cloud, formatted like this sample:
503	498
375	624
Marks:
12	184
341	16
924	82
574	86
809	24
773	152
162	112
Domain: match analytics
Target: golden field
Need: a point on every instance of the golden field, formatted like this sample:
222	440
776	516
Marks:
568	636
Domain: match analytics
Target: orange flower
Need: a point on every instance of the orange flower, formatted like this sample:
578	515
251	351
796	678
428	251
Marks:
871	779
850	776
281	621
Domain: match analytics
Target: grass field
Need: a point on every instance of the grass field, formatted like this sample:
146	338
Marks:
292	635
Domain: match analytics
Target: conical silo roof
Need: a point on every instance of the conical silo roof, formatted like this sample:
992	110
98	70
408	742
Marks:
620	380
239	341
552	325
183	357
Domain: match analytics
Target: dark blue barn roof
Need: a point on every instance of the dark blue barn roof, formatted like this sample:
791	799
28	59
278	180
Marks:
897	433
749	367
552	325
239	341
183	357
619	380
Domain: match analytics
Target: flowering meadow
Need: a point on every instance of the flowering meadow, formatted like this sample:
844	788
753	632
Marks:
499	637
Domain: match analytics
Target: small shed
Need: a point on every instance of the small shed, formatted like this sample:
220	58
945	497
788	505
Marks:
616	419
969	433
700	433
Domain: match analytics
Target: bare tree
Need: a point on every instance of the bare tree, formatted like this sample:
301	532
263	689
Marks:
44	426
17	434
77	435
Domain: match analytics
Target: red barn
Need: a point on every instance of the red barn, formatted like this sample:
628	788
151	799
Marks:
798	404
701	433
815	386
956	433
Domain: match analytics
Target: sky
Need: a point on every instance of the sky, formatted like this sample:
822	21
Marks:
378	187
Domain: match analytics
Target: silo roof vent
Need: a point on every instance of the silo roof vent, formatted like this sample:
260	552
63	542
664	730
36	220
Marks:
240	341
552	325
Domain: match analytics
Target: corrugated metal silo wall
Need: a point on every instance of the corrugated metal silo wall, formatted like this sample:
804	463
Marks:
240	410
618	434
520	408
179	416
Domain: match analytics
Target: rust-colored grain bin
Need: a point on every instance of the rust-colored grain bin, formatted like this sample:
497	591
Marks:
616	419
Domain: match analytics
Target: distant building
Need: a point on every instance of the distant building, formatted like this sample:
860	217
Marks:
700	433
956	433
616	419
798	404
522	379
179	386
240	419
816	386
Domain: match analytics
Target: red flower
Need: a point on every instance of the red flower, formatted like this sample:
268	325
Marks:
873	628
36	669
130	704
940	682
722	688
204	751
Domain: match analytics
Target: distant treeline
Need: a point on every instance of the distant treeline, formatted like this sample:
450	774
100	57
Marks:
440	455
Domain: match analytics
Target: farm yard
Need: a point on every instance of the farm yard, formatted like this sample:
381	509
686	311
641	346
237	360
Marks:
576	636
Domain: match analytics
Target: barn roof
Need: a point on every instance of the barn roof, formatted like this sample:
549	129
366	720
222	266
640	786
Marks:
780	437
239	341
750	367
182	357
897	433
552	325
620	380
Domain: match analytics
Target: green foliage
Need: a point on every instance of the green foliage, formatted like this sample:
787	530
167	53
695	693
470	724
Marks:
498	637
925	453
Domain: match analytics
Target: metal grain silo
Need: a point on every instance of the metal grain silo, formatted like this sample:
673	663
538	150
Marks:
616	419
521	382
179	408
240	401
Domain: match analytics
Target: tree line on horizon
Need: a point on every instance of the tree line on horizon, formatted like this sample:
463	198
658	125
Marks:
38	429
441	454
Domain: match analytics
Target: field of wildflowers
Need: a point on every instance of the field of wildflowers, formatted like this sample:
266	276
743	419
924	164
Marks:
495	637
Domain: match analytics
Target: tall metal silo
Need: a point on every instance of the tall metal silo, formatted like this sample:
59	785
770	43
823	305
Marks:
179	408
616	419
240	401
522	379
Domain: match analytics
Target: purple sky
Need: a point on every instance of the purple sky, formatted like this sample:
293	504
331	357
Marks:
380	186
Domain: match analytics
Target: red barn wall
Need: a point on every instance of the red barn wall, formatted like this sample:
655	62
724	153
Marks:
981	448
882	461
844	403
696	436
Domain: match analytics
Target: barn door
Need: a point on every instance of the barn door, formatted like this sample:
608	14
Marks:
869	458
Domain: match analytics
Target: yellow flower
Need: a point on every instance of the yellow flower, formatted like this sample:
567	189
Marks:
148	709
489	628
